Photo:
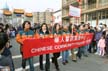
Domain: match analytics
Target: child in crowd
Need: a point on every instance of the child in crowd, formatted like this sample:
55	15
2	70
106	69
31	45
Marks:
101	45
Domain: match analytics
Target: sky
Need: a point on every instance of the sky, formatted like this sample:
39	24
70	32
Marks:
32	5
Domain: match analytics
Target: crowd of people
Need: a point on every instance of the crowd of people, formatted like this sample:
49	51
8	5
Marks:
99	44
6	61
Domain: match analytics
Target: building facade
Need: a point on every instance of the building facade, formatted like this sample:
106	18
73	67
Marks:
1	16
95	11
43	17
15	17
5	19
92	11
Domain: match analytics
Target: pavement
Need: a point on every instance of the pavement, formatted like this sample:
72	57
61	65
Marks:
91	63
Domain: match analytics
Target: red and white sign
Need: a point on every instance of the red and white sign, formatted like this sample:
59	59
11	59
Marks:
58	17
33	47
74	11
79	0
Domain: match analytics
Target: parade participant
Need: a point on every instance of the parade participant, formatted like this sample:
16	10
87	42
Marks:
21	36
44	32
86	31
81	49
1	29
106	41
73	31
56	32
104	27
98	35
6	61
92	45
7	30
1	25
65	54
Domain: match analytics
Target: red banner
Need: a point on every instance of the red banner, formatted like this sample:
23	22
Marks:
33	47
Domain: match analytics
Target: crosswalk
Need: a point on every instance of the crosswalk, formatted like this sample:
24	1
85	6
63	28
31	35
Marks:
17	56
35	64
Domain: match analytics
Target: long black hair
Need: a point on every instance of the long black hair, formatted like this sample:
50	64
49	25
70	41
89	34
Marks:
2	30
1	25
55	25
47	30
3	39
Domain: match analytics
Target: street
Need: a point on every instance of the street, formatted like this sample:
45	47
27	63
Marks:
91	63
51	26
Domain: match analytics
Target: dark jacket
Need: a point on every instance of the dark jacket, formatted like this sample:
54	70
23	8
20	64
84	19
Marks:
98	35
59	33
106	40
46	33
6	52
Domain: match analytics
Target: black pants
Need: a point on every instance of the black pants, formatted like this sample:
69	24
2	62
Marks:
106	49
54	59
23	61
47	64
92	48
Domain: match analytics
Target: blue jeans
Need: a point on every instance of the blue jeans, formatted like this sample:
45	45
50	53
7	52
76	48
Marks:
80	52
98	49
31	64
65	55
30	60
86	49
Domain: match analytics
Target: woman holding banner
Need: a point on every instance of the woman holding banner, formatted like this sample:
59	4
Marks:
44	32
56	32
21	36
73	31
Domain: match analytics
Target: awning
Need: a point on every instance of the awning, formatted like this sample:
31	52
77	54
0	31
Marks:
7	12
18	11
28	14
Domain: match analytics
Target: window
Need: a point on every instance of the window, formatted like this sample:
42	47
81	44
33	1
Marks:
107	14
89	17
94	16
103	14
82	17
99	15
91	1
